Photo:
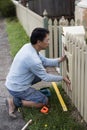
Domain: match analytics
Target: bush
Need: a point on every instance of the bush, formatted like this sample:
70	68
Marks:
7	8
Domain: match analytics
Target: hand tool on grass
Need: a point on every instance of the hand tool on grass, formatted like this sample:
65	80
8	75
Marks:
59	96
27	124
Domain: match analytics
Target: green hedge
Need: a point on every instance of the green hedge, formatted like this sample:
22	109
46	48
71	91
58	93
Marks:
7	8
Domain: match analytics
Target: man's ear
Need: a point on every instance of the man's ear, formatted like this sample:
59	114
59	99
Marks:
38	41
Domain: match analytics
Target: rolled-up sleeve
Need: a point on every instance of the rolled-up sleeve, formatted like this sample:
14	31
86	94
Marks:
39	71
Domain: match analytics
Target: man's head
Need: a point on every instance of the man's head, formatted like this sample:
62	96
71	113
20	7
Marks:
40	38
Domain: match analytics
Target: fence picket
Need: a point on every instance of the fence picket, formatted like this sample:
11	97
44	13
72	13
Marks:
79	76
85	90
54	35
73	73
82	80
72	22
76	73
50	27
55	38
77	55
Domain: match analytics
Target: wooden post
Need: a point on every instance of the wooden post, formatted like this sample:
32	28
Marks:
60	45
76	73
50	38
45	23
85	90
73	72
56	47
79	75
82	78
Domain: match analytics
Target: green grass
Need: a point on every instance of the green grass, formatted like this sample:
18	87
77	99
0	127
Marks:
56	119
16	35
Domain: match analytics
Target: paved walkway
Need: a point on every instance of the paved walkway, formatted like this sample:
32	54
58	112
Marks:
6	123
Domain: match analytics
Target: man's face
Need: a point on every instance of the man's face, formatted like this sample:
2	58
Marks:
45	43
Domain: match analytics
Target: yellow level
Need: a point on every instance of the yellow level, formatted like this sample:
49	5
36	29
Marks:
59	96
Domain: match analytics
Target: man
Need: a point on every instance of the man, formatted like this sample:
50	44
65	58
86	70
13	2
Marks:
28	68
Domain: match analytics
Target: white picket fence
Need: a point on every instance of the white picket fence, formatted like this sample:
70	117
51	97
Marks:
31	20
54	28
28	18
76	69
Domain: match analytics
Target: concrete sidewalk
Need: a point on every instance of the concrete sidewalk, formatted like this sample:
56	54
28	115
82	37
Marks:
6	123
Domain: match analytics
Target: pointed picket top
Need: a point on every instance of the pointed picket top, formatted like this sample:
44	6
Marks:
62	21
72	22
50	22
67	22
55	22
45	13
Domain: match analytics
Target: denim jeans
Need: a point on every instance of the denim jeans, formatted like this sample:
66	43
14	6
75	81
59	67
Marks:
31	94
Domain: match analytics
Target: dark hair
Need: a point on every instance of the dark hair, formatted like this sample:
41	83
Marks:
38	34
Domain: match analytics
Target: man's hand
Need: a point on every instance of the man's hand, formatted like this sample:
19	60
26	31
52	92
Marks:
67	81
62	58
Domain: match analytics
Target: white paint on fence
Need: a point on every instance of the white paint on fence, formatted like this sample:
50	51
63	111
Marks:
28	19
50	37
53	27
77	57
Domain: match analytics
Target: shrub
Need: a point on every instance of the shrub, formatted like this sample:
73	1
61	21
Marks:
7	8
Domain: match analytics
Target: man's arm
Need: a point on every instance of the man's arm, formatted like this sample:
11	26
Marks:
39	71
51	62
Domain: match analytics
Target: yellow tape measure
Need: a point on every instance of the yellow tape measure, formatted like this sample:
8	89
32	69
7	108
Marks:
59	96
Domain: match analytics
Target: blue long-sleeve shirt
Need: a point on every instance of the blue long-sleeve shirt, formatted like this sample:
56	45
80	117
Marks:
26	64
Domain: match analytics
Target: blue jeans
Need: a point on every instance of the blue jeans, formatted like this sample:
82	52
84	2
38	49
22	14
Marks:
31	94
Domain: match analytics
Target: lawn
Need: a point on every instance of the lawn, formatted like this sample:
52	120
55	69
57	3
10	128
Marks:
56	119
16	35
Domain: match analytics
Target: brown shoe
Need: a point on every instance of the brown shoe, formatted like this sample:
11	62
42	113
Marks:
11	107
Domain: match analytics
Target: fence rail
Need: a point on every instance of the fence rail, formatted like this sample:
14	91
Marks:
76	69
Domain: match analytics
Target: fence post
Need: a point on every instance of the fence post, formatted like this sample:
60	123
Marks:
56	47
85	91
45	24
82	78
60	40
50	27
60	45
